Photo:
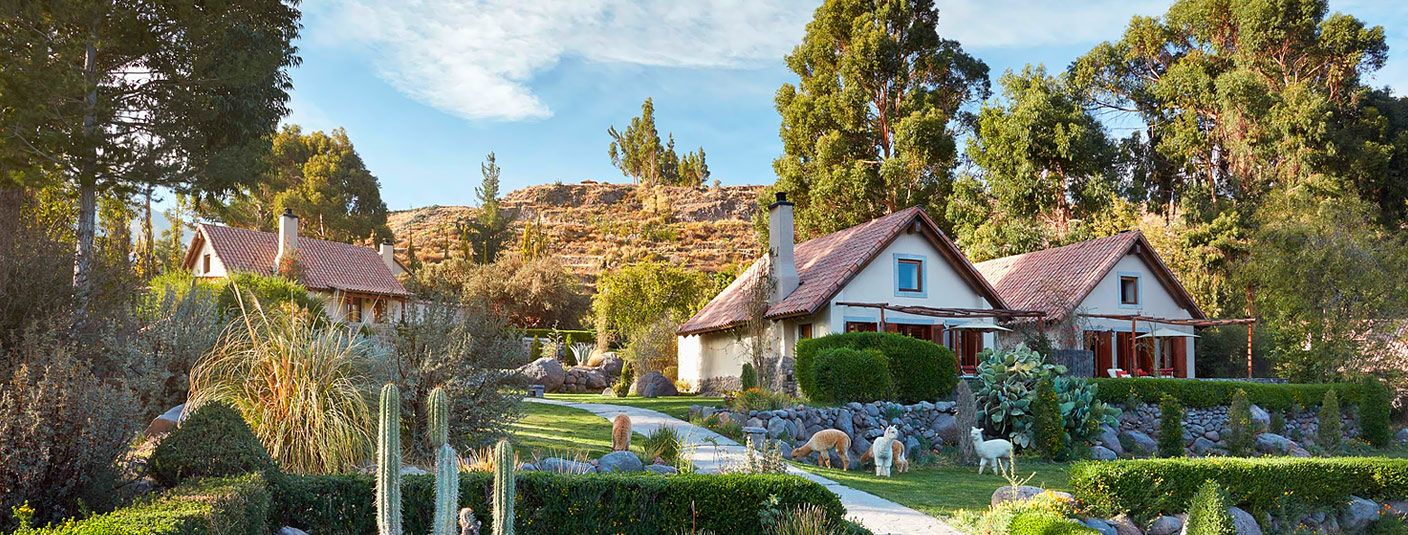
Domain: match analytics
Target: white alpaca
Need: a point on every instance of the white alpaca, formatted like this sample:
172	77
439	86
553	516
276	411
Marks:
883	451
991	451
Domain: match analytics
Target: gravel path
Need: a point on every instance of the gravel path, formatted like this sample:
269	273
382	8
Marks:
712	451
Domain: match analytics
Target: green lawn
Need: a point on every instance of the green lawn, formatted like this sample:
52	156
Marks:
677	406
943	490
555	431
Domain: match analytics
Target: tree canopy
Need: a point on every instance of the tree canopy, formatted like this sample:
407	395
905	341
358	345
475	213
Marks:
487	232
638	153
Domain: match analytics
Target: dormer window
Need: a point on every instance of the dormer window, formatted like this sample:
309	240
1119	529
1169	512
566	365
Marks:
909	276
1129	290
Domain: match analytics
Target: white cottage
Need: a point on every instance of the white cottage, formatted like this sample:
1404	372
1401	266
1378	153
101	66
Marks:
356	284
1106	296
899	260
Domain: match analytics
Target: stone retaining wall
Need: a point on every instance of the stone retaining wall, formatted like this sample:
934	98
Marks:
1204	429
920	423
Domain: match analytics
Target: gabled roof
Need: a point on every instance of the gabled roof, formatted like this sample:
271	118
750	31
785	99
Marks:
826	264
327	265
1057	280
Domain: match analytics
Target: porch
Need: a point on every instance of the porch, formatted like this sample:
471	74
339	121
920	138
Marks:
965	339
1156	351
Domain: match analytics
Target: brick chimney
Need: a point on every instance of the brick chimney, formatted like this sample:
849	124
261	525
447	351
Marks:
388	255
781	238
288	237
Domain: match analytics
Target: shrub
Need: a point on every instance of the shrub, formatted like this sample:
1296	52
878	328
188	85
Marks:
623	383
1240	432
535	349
271	292
1000	519
302	386
1007	384
1047	523
663	443
757	399
1207	514
748	378
1278	422
1374	414
1331	428
467	351
921	370
1047	427
654	347
1148	487
233	506
1170	427
844	375
1205	394
560	504
213	441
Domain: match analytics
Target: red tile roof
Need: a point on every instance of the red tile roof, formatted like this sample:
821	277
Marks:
327	265
1056	280
825	265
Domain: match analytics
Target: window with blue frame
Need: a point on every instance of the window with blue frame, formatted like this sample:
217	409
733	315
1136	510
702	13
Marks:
909	275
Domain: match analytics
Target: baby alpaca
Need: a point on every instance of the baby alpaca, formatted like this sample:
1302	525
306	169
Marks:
823	442
883	450
621	433
991	451
901	458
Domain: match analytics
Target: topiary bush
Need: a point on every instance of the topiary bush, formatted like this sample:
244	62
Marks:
1047	427
1207	514
213	441
748	378
921	370
1170	427
1374	414
1241	435
844	375
1331	428
1149	487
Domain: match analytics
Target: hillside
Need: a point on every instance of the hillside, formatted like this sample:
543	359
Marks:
593	225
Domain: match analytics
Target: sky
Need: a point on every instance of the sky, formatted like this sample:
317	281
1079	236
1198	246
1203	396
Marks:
426	88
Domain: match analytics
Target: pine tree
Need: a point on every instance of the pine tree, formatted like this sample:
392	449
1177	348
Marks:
1170	427
1331	426
1048	428
1208	512
487	233
1240	434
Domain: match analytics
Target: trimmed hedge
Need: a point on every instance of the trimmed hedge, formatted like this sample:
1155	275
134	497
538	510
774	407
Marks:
1148	487
1046	523
568	336
921	370
1203	394
552	503
228	506
844	375
213	441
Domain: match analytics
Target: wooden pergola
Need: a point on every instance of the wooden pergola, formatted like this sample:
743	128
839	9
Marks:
1002	313
1196	323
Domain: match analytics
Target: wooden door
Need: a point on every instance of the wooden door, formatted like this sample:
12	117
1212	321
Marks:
1179	348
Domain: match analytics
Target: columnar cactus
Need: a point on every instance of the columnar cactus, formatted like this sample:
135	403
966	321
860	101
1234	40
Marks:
503	489
388	462
438	427
447	491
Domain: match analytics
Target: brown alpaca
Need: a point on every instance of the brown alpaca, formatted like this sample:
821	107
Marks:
621	433
901	461
823	442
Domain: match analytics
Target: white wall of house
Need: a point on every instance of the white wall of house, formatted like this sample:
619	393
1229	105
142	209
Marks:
217	268
714	354
1154	300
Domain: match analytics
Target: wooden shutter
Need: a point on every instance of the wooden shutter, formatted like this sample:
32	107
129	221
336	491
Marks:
1124	351
1180	357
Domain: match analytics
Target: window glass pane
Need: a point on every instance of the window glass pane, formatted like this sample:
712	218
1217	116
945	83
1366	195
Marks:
1129	290
908	273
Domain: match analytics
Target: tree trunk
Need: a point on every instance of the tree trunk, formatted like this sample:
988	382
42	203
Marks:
147	256
87	192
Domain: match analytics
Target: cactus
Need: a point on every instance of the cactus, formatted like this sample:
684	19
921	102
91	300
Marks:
503	489
388	463
438	426
447	491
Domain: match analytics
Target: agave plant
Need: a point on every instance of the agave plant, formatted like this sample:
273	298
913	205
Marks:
1007	385
301	384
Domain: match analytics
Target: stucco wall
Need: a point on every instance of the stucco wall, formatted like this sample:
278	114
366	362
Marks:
217	268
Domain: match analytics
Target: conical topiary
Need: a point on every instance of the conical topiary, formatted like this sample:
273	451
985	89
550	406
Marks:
1207	512
388	462
503	488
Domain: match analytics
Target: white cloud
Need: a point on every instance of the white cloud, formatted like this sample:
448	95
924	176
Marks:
477	58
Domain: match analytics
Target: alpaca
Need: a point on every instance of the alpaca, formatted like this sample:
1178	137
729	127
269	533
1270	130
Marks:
621	433
901	458
822	443
883	450
991	451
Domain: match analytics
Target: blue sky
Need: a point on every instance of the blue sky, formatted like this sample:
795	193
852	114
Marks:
426	88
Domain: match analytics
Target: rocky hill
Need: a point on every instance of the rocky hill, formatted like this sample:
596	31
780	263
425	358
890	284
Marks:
592	226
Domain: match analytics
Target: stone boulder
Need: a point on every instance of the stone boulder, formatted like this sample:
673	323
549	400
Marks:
1261	420
609	364
662	469
1165	525
564	466
1401	436
654	385
1100	525
1022	493
1273	443
1110	439
1244	521
580	379
546	371
1124	526
1101	453
946	427
289	530
1358	514
619	461
1140	442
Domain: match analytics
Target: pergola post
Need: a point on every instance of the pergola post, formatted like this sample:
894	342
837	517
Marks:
1249	350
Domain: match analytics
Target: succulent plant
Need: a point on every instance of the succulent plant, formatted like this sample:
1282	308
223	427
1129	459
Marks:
1008	381
447	491
438	428
503	488
388	463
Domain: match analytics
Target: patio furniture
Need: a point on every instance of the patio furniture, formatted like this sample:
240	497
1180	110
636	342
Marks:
535	391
